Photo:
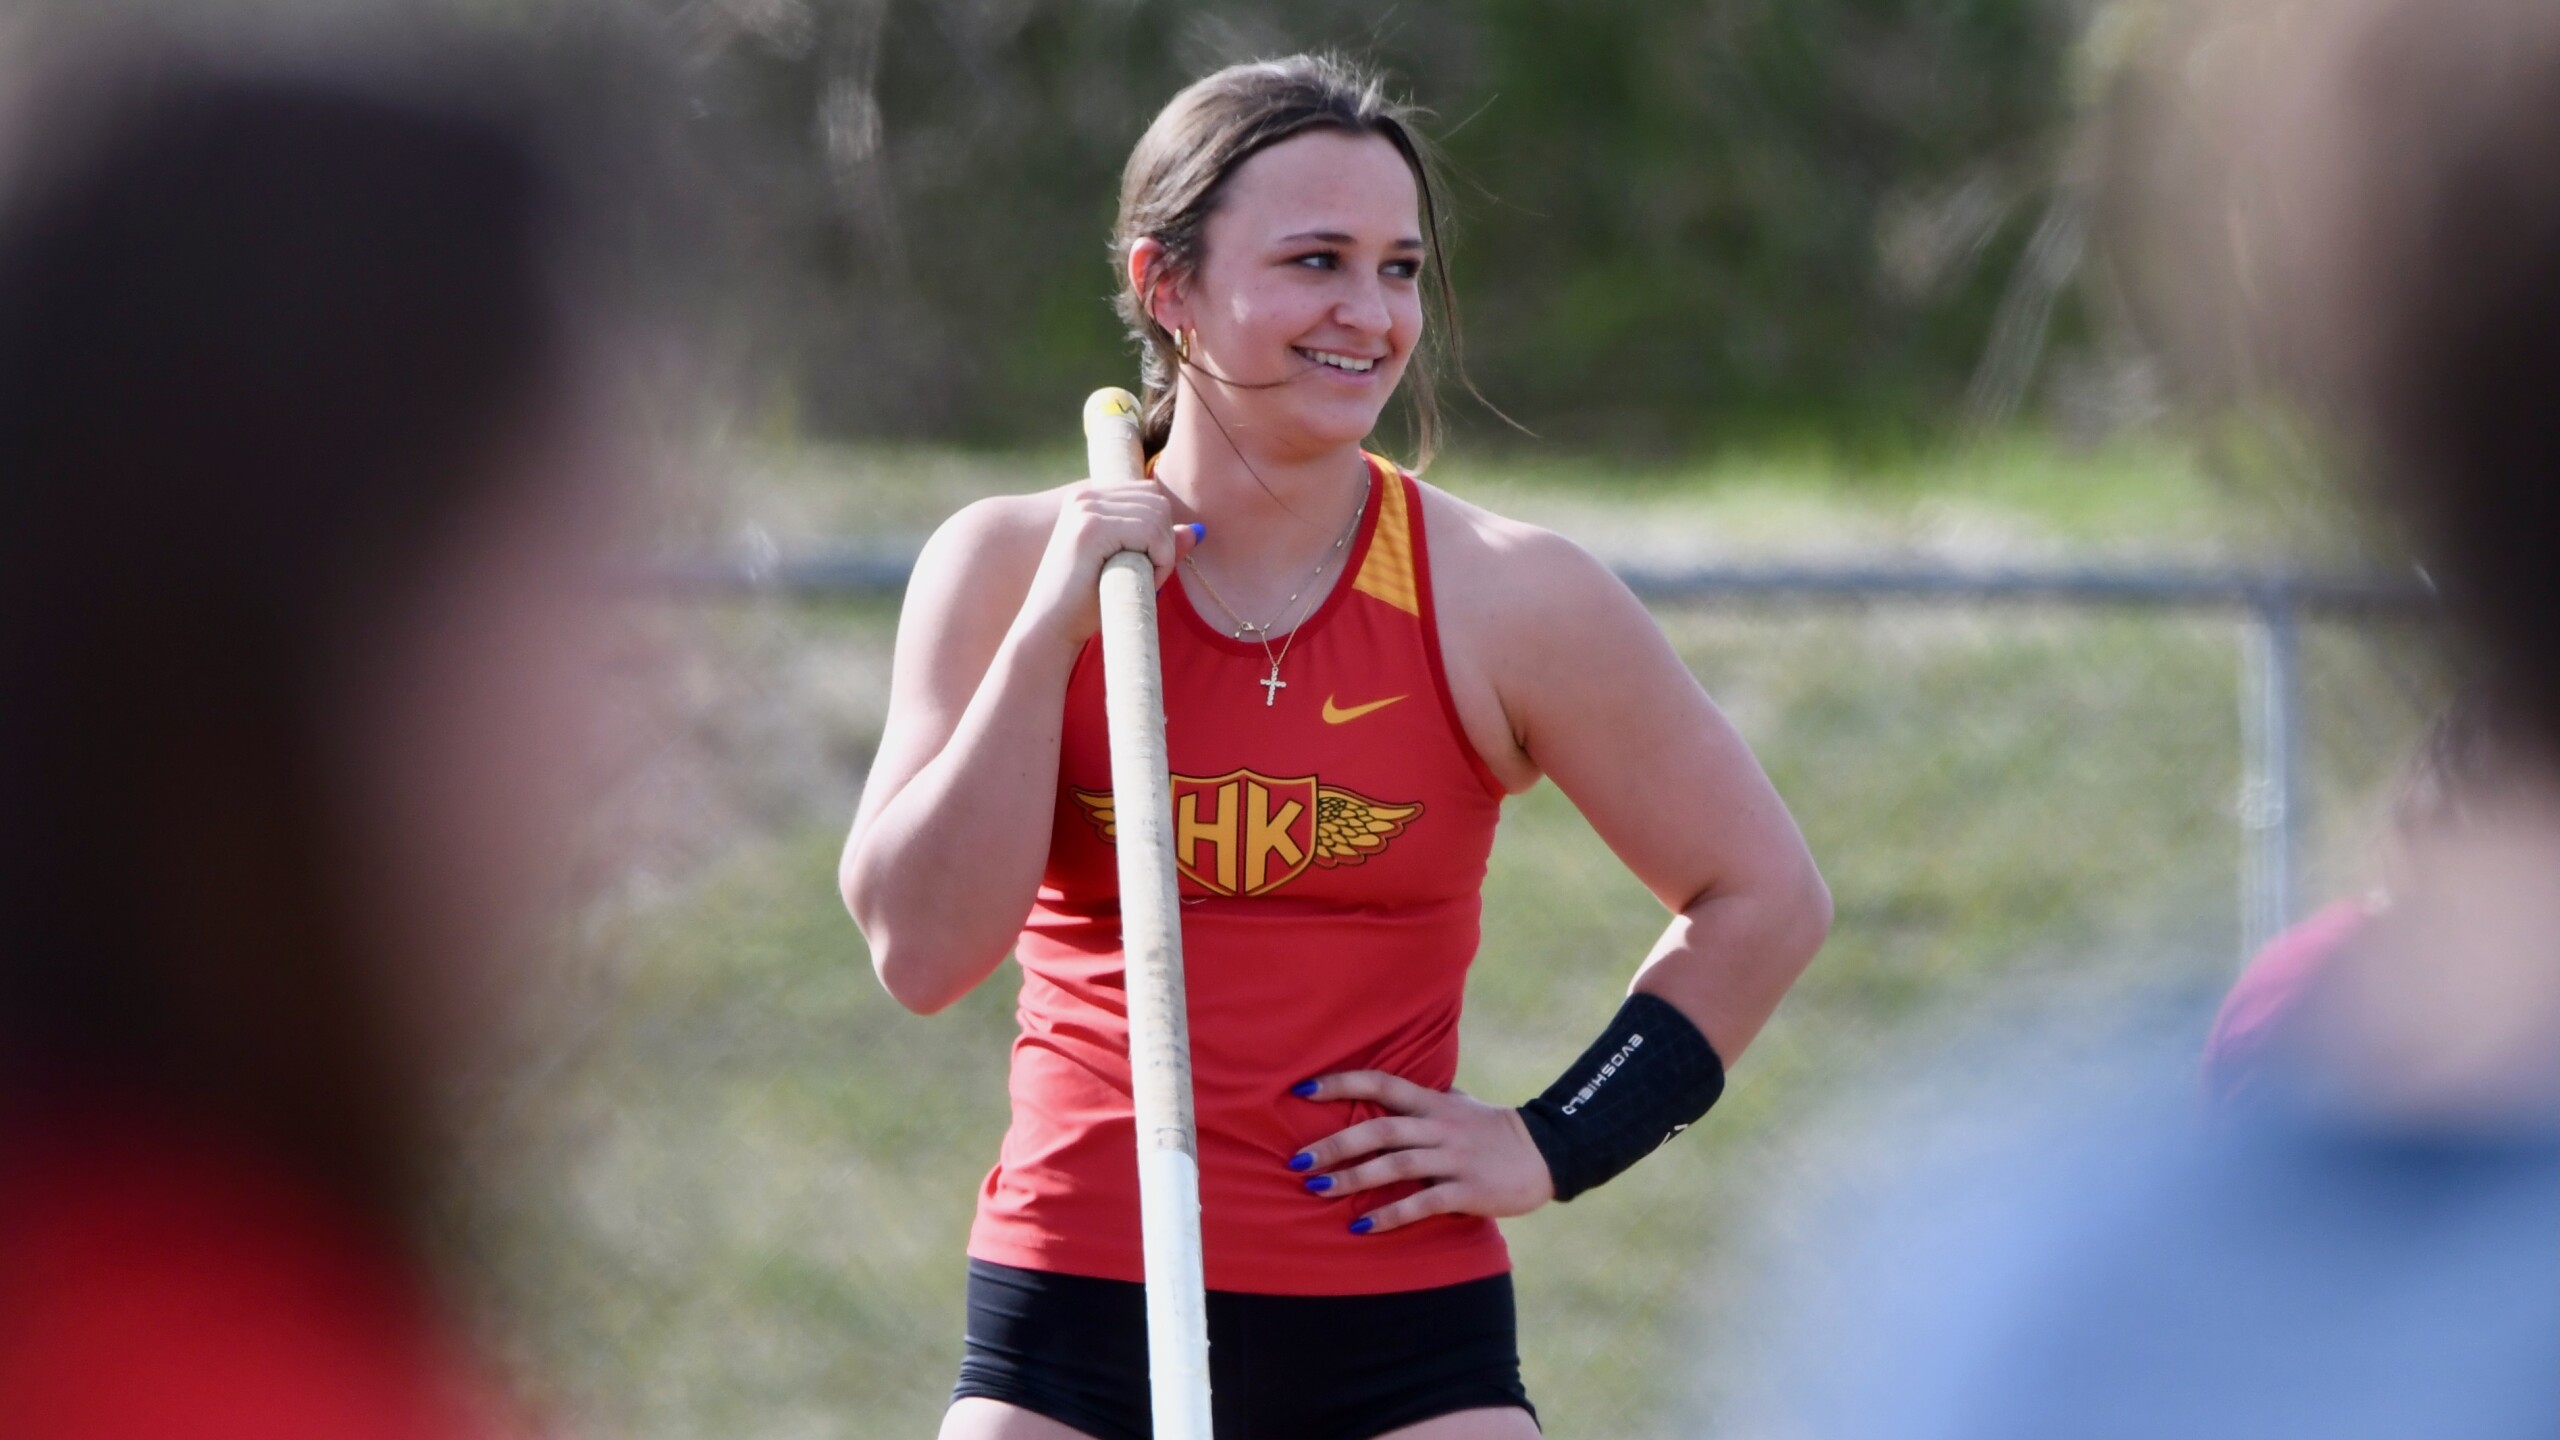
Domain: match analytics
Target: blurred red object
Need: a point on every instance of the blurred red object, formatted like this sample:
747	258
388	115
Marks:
2249	1034
163	1283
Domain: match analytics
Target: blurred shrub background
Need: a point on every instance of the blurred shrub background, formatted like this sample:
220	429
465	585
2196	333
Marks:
1701	221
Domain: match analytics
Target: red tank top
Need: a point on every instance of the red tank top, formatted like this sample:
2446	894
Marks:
1332	845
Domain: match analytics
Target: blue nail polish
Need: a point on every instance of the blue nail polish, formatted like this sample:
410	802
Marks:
1302	1161
1304	1089
1362	1226
1199	532
1319	1183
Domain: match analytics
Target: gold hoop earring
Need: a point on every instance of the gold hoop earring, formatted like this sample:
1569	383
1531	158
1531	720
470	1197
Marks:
1182	345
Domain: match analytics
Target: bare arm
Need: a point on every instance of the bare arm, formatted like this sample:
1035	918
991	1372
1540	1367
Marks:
948	845
1601	704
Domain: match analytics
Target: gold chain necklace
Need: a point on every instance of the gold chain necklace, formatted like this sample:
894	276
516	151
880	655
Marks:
1261	633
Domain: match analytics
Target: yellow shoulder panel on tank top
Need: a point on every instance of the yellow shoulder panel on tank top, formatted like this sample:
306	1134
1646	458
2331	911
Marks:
1387	573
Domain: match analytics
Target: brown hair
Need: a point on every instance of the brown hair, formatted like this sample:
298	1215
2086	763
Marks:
1179	171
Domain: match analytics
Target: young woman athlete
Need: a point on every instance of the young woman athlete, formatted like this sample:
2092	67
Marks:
1358	668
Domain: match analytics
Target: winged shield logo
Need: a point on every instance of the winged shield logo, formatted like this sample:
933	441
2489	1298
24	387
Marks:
1246	833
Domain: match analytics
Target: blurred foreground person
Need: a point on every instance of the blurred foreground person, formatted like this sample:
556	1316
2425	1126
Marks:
2369	1243
295	512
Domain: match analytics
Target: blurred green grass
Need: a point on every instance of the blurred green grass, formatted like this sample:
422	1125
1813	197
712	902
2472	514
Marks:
757	1172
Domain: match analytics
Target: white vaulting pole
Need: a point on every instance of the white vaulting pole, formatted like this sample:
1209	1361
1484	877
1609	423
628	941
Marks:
1151	938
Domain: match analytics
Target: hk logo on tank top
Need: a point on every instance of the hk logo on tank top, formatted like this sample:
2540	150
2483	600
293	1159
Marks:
1246	833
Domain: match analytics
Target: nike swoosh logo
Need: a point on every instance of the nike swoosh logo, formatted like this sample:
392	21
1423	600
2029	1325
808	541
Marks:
1335	715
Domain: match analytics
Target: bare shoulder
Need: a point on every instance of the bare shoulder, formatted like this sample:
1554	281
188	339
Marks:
1524	614
1491	568
997	535
969	583
977	566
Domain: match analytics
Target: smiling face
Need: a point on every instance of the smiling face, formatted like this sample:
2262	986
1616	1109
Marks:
1310	277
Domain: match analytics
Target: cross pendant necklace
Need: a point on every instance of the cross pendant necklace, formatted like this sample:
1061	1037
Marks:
1272	686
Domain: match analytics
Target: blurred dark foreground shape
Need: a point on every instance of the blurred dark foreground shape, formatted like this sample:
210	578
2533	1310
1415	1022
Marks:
2366	1243
297	507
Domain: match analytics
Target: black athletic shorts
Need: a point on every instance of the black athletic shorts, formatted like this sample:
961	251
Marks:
1281	1367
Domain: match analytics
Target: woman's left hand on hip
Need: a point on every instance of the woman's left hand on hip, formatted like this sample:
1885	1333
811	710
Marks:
1471	1158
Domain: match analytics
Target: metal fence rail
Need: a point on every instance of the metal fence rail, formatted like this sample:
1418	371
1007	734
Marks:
2268	606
